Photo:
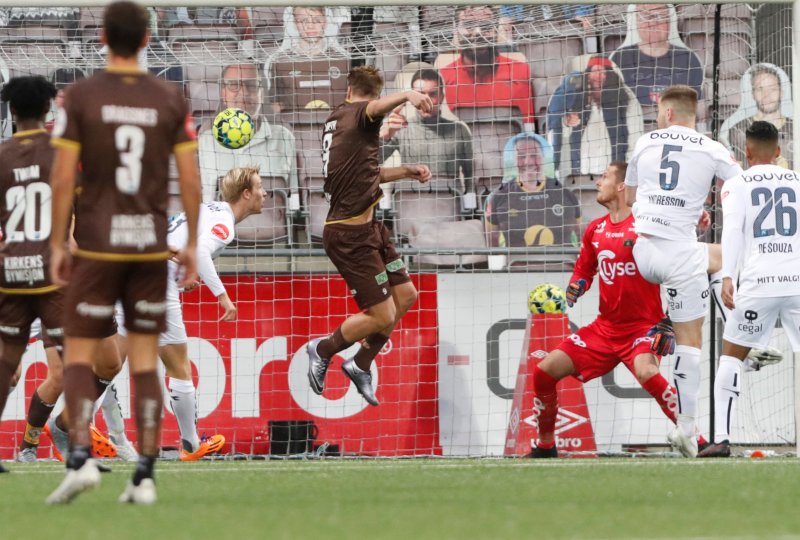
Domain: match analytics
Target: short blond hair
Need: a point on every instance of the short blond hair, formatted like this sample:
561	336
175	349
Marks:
236	181
682	99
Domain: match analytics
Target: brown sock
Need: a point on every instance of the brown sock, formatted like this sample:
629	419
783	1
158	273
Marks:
370	348
78	391
6	373
38	413
332	344
148	402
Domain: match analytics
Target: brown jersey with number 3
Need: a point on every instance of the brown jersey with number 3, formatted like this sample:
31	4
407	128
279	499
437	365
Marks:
125	123
25	213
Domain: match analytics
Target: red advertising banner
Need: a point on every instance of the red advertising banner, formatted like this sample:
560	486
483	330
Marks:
253	371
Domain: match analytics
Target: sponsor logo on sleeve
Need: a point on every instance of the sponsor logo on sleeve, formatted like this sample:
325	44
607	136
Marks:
220	231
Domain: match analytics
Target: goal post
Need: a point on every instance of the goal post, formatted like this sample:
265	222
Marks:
448	377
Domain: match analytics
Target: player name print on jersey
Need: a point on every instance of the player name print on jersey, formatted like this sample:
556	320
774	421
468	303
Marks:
672	170
140	116
27	173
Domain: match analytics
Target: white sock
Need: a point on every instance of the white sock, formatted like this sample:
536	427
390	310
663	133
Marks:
686	378
726	394
183	400
112	413
715	286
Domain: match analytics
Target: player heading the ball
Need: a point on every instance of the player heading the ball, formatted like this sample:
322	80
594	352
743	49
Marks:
359	245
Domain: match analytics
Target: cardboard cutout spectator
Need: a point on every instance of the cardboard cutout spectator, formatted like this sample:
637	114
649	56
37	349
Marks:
596	115
272	147
309	33
766	95
530	207
439	140
653	56
481	76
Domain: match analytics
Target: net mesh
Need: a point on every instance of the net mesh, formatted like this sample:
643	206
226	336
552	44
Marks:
448	377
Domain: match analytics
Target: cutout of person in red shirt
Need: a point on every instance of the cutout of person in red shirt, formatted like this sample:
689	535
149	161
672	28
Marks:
481	76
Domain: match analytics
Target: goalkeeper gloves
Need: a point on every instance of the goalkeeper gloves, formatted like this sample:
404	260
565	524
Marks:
663	337
575	290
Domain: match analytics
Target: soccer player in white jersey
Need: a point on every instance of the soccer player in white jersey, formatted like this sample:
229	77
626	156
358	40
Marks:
668	179
761	252
244	195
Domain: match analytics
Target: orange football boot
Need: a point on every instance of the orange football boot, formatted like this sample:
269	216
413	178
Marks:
208	445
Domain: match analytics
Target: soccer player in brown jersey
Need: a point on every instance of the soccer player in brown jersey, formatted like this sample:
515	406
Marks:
122	124
26	291
357	244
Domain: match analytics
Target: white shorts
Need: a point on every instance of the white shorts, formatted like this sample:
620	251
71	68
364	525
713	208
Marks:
682	268
176	331
750	324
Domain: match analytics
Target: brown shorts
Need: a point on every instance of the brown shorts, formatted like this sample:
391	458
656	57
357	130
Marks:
367	260
18	311
95	286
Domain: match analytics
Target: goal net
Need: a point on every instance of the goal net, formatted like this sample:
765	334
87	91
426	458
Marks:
531	105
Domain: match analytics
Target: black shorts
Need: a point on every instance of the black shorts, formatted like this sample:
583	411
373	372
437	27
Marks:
367	260
95	286
18	311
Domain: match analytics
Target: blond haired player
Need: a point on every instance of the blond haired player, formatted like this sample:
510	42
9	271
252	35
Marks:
668	180
244	195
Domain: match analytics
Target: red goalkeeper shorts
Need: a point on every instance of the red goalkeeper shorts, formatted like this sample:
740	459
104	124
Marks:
596	349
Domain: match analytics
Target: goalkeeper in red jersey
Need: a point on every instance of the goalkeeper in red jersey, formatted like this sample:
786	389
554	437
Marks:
631	327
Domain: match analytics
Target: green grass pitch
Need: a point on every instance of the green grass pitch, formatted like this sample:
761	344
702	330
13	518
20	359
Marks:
420	499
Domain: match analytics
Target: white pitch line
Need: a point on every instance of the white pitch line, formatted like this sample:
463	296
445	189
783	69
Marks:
273	467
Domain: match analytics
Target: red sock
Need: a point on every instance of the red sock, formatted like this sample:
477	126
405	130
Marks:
545	406
666	396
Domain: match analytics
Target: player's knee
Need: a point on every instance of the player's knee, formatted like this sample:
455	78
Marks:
645	371
384	317
407	300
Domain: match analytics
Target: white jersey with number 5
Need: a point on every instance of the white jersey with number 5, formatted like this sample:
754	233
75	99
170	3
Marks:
673	170
760	212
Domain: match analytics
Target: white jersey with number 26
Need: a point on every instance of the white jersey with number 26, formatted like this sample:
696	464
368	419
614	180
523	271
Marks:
673	170
759	228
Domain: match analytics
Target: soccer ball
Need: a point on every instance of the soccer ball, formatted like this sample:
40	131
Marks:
233	128
547	298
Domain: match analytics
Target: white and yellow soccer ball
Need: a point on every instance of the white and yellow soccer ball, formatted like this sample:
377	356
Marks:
547	298
233	128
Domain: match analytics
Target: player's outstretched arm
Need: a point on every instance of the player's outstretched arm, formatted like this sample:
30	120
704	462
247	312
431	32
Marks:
189	181
382	106
421	173
62	182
